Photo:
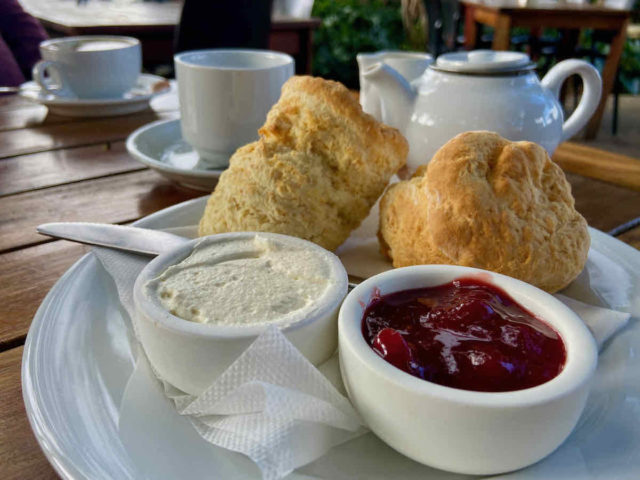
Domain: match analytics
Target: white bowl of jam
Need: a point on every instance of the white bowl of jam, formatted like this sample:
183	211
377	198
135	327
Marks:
462	369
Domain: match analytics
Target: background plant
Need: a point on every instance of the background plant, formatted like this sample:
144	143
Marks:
352	26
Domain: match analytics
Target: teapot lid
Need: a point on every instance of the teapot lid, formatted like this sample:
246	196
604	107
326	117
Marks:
483	62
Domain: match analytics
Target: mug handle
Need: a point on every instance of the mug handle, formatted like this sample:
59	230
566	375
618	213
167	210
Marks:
592	89
39	71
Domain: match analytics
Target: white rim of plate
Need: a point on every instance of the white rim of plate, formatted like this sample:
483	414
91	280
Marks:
44	432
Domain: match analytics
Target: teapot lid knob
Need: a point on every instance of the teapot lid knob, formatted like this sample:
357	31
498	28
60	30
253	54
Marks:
483	62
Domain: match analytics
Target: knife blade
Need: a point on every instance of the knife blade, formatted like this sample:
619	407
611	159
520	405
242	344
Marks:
121	237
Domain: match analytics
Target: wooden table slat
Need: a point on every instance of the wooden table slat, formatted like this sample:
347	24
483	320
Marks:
604	205
91	131
13	102
599	164
20	455
48	169
30	116
28	275
632	237
116	199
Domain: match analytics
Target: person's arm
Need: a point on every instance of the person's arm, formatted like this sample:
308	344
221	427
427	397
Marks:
10	74
22	33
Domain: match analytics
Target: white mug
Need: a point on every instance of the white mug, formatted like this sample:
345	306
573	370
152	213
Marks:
225	96
90	66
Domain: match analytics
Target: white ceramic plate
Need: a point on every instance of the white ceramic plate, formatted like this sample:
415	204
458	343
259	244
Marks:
135	100
160	146
77	362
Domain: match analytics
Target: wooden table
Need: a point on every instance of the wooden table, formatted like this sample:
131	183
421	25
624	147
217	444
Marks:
61	169
503	15
154	25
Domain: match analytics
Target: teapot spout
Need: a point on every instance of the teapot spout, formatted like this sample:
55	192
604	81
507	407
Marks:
396	94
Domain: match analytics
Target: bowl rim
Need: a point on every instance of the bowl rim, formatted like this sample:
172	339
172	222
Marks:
581	349
130	41
278	59
151	307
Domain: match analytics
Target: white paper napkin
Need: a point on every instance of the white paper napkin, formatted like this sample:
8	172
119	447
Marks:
271	404
275	407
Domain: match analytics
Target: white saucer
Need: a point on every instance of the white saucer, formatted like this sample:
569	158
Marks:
77	361
160	146
134	100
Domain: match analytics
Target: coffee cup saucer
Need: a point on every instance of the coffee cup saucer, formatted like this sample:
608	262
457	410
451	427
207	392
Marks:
67	105
160	146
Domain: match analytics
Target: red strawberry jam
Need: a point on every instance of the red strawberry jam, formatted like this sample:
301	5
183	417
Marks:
466	334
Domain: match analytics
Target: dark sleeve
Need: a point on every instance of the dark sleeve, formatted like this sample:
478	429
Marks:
22	33
224	24
10	74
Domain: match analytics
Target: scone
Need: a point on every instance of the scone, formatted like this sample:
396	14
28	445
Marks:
318	167
489	203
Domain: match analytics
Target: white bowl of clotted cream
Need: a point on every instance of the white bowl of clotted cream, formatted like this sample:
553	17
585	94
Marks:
199	306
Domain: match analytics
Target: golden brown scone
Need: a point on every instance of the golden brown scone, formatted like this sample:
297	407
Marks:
319	166
486	202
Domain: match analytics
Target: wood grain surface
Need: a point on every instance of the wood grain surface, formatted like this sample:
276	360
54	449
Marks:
74	134
599	164
57	167
20	454
27	275
13	102
115	199
632	237
604	205
30	116
548	7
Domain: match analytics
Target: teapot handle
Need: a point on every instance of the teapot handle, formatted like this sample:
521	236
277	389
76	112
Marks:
592	89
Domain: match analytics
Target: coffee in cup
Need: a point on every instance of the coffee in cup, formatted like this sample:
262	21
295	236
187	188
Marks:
225	96
91	66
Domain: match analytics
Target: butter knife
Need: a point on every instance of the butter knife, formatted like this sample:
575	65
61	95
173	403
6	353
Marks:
120	237
128	239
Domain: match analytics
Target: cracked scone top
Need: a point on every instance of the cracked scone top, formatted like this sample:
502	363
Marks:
319	166
489	203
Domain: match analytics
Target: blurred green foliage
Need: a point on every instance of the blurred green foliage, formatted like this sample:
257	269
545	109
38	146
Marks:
629	67
353	26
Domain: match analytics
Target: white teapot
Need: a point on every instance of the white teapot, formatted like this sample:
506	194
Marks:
478	90
411	65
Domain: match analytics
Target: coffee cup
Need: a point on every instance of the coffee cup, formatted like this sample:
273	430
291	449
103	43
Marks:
225	96
89	66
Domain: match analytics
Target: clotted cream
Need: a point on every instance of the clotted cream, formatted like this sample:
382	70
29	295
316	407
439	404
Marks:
245	281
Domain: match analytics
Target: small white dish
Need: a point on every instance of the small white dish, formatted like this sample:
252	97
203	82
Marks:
463	431
192	355
160	146
134	100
